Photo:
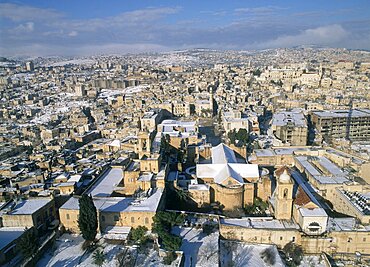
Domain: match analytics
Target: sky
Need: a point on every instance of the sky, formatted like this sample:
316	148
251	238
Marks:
92	27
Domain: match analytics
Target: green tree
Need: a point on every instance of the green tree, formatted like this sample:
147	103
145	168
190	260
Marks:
258	207
171	242
232	136
243	136
162	224
87	219
28	244
138	234
169	218
165	145
257	72
99	257
294	254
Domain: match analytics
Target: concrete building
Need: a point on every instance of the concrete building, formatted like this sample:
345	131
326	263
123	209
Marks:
290	127
352	124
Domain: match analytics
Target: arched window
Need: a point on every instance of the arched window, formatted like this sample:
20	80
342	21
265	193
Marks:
314	227
285	194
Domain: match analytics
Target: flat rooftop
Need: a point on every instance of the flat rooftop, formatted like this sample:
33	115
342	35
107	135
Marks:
342	113
121	204
289	117
334	175
106	183
261	223
29	206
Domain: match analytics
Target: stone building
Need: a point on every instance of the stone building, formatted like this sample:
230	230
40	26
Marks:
232	182
38	213
117	213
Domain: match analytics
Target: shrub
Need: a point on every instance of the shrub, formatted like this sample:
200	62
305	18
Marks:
294	254
169	258
269	256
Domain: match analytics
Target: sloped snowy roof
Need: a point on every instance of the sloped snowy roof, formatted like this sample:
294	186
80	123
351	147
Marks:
220	172
223	154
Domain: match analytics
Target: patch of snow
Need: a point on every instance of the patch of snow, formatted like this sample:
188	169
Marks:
68	252
241	254
312	261
199	249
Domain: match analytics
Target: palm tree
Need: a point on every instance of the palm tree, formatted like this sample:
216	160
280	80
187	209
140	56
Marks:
99	257
183	195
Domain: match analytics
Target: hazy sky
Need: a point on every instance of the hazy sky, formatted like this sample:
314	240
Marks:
85	27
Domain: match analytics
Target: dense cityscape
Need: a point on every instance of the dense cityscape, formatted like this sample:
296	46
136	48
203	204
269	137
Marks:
189	157
261	152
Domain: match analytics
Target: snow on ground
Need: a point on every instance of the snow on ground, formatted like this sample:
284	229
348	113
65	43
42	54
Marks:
63	106
151	259
175	59
241	254
199	249
109	93
312	261
68	252
74	62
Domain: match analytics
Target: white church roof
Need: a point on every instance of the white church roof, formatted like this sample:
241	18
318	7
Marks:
223	154
225	165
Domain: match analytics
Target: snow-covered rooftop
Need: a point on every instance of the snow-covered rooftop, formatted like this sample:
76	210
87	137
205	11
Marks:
29	206
220	172
289	117
121	204
9	234
222	154
260	223
104	187
342	113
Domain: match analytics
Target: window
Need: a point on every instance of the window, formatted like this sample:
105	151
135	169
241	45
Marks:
103	218
293	238
364	239
67	216
132	219
281	238
285	194
314	227
146	220
116	218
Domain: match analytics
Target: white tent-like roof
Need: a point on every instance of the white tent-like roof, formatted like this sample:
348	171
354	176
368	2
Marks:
224	165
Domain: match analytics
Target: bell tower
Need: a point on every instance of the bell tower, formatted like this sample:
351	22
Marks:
144	144
284	194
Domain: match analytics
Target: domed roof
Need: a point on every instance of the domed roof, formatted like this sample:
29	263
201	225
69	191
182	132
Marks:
284	177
